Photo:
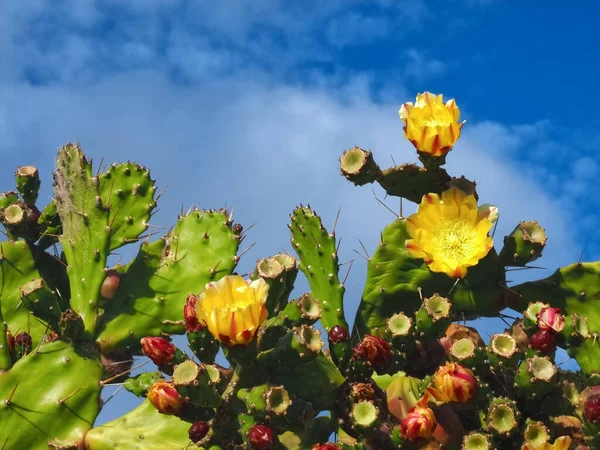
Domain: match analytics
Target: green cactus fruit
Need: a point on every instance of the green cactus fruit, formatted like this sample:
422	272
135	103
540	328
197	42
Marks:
524	245
50	225
62	407
359	167
315	381
576	330
365	417
152	294
317	251
575	290
86	231
203	344
142	428
299	345
412	182
502	351
7	199
530	319
394	278
433	317
503	417
21	221
536	376
128	192
19	264
535	434
279	272
140	384
28	183
301	311
477	441
194	382
41	301
465	352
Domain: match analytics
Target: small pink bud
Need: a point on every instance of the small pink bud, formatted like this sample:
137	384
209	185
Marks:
543	341
591	409
192	324
110	285
10	340
419	423
375	350
159	350
198	430
338	334
165	398
551	319
23	340
260	437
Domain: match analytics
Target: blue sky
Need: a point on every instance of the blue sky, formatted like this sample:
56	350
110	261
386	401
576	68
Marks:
250	103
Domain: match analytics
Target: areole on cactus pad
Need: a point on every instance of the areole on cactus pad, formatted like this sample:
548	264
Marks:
297	373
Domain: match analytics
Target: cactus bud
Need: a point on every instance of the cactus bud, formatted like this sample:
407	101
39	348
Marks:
159	350
375	350
198	430
543	341
23	344
338	334
591	409
419	423
192	325
110	285
165	398
260	437
551	319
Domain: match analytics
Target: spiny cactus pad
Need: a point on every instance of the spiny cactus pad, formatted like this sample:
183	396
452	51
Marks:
52	393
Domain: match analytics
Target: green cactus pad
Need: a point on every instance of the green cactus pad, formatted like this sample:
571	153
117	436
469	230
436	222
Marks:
319	262
20	264
86	231
63	407
412	182
151	295
315	381
128	191
574	289
143	428
394	278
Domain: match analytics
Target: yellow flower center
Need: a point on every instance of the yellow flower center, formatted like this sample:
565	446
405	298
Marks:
454	239
241	302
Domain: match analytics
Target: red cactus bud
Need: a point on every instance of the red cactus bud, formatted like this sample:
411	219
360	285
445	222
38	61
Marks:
198	430
23	340
591	409
543	341
327	446
10	340
165	398
110	285
159	350
192	324
375	350
551	319
260	437
338	334
419	423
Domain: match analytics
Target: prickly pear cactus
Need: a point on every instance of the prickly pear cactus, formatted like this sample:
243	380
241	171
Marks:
410	373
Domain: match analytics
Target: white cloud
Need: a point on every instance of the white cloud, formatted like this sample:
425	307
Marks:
420	67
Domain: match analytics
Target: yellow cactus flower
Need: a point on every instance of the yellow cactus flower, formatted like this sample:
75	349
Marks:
449	232
453	383
430	124
561	443
233	309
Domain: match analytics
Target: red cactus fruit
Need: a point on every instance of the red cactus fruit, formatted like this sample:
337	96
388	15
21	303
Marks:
338	334
375	350
591	409
543	341
260	437
198	430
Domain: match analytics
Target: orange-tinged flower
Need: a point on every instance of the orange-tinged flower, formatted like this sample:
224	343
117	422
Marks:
449	232
233	309
419	423
453	383
561	443
430	124
165	398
